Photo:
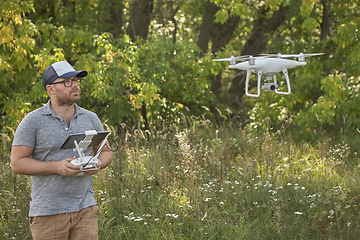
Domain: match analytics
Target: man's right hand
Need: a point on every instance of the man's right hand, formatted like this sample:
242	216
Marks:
67	169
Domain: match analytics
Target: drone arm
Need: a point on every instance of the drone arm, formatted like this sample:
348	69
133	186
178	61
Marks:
247	84
287	83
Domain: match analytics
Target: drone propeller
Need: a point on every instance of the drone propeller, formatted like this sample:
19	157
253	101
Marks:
243	58
300	56
240	58
292	55
233	59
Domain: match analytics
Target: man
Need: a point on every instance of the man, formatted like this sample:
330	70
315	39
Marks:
61	206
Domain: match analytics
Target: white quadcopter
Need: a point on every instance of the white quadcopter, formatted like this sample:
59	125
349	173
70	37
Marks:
268	65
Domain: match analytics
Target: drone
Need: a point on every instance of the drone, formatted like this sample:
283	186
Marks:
267	65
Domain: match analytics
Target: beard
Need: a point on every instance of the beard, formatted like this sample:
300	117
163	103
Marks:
70	98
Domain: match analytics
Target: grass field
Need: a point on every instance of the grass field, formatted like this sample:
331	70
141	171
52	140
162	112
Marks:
214	183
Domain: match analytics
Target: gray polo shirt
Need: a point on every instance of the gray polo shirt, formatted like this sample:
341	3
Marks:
43	130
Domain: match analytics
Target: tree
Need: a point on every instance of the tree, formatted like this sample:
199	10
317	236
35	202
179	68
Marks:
153	59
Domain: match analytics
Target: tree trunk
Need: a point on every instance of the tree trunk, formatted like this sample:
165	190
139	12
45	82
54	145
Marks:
207	26
116	15
140	17
219	34
326	29
326	25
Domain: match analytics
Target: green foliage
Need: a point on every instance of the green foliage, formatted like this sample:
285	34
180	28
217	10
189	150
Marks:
164	77
177	77
16	46
222	16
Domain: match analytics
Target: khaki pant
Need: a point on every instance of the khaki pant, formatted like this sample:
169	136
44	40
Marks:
66	226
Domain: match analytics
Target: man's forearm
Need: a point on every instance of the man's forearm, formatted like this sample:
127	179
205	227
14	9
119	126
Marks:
105	157
32	167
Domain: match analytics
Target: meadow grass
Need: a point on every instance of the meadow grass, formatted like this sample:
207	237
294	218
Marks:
214	183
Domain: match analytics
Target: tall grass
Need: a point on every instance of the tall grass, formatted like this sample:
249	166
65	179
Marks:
214	183
14	195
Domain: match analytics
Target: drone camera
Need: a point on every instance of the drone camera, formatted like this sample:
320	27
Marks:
269	87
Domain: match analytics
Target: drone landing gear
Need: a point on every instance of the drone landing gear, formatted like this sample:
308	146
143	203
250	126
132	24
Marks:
268	84
259	74
285	72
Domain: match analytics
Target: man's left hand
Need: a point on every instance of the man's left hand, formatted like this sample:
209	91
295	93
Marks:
95	171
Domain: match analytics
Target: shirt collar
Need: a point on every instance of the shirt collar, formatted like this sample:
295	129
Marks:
48	110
